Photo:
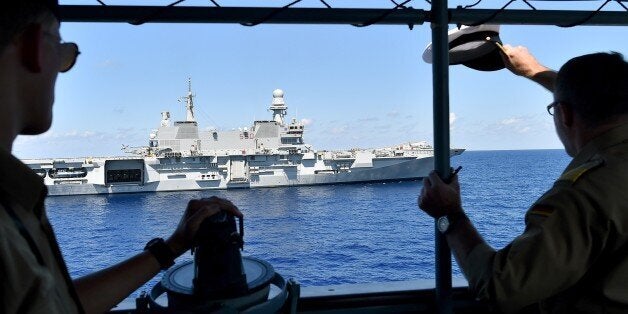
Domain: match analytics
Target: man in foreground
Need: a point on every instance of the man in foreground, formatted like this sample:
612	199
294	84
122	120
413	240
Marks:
573	255
33	275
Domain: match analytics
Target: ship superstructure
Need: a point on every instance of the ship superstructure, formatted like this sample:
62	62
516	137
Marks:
271	153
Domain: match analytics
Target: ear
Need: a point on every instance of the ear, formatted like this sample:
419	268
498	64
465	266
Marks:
31	48
566	115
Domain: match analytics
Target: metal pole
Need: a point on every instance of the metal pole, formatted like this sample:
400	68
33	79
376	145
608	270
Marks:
440	81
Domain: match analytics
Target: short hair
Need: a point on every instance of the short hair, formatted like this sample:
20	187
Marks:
595	86
15	16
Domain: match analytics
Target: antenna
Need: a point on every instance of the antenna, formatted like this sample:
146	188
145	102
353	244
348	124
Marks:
189	102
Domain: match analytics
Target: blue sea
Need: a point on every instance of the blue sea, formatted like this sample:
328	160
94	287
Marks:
319	235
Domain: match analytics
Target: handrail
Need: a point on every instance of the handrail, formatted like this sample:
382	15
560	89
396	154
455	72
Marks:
408	16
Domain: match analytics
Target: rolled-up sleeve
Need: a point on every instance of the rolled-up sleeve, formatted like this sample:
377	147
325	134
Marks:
557	247
478	267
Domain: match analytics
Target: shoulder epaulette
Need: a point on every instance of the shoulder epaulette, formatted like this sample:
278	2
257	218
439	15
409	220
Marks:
541	211
573	175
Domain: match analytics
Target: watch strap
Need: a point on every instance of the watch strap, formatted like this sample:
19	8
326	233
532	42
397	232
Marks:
454	219
160	250
457	216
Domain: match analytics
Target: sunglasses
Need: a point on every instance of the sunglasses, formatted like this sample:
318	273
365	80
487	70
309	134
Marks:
68	52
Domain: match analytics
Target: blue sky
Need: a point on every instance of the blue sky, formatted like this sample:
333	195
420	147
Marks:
353	87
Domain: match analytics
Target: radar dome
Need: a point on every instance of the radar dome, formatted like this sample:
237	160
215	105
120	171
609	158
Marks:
278	93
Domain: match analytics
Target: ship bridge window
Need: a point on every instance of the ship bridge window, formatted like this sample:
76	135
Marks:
291	140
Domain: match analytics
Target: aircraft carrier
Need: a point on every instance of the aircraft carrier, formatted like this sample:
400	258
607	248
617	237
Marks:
271	153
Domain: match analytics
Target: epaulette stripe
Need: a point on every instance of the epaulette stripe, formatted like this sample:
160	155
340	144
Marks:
574	174
542	211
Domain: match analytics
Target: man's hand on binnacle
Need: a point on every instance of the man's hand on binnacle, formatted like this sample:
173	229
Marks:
195	213
438	198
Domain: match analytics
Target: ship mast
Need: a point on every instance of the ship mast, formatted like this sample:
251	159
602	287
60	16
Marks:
189	105
278	106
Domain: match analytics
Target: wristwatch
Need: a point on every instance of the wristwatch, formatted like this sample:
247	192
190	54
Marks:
446	223
161	252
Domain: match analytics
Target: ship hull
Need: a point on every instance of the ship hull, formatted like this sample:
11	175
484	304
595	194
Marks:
394	169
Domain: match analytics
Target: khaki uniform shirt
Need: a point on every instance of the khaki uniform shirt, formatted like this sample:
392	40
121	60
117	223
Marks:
573	255
26	284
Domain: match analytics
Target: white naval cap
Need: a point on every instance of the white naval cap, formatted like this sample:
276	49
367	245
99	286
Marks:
469	46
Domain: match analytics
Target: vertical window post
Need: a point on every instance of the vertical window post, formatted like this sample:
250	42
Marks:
440	81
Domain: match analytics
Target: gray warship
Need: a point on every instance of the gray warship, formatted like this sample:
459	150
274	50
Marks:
271	153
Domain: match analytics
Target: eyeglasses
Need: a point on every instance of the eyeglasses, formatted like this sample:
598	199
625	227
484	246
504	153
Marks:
68	51
69	54
550	107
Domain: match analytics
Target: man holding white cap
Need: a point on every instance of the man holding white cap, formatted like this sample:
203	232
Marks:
573	255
